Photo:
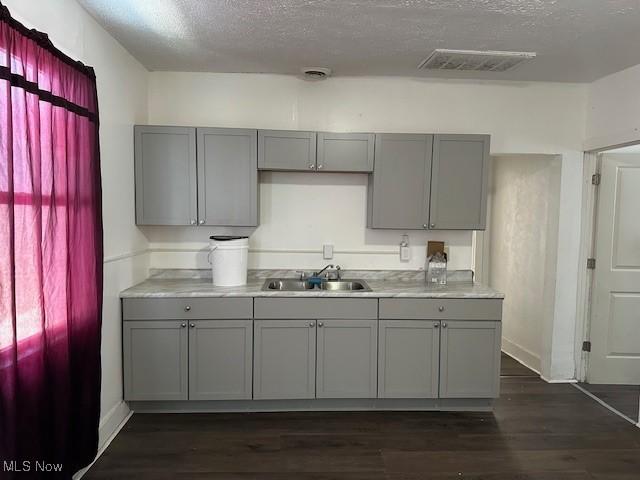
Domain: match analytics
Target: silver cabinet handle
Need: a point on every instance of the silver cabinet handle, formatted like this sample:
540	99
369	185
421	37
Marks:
202	222
320	324
441	308
424	225
187	308
433	225
320	167
436	325
444	325
192	325
312	166
311	325
193	222
183	325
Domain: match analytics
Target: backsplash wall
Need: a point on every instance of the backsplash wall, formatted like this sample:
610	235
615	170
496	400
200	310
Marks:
299	212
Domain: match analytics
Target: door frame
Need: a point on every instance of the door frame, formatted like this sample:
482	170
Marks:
589	213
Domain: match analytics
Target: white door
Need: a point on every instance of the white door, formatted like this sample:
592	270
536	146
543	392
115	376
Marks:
615	321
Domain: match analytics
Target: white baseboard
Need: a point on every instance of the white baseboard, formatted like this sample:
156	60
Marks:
522	355
110	426
567	380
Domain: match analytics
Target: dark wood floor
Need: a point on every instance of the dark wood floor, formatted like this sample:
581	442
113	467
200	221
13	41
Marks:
624	398
510	367
538	431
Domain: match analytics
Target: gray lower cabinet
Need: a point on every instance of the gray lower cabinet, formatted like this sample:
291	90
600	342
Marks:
227	177
398	194
470	359
286	150
155	360
220	359
345	152
165	175
284	359
346	358
408	359
459	182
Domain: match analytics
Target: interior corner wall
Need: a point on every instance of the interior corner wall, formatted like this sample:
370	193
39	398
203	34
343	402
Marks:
613	110
523	232
122	97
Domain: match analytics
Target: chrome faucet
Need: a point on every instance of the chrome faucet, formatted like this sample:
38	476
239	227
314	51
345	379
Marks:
330	269
317	274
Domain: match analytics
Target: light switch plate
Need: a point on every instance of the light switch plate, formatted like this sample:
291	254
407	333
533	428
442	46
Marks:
327	252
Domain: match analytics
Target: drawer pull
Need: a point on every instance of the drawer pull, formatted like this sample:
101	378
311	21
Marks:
441	308
187	308
311	325
320	324
192	325
183	325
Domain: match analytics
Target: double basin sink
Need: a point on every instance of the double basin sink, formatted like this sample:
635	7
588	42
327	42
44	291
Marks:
293	285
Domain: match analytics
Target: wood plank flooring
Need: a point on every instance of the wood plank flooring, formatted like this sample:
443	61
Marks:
538	431
624	398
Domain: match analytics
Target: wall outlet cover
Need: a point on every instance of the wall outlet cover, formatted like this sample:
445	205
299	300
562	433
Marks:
327	252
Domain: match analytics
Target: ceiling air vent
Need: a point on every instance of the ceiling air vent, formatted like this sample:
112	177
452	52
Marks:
475	60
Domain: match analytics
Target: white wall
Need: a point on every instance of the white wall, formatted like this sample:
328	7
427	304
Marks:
122	96
613	114
523	231
521	117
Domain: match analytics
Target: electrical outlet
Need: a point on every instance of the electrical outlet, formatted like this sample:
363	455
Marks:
327	252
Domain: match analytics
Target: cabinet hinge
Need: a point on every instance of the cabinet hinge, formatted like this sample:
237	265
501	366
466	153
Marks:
591	263
586	346
595	179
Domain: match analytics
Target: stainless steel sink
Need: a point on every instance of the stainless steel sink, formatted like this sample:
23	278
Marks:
346	285
292	285
287	284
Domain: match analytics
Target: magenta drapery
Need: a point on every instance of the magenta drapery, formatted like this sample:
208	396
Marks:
50	256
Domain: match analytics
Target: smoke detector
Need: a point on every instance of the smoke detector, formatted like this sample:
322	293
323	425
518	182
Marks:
475	60
316	73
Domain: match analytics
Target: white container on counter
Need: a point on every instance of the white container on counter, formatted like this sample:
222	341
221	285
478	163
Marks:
228	258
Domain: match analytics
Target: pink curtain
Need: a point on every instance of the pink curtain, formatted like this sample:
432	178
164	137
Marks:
50	256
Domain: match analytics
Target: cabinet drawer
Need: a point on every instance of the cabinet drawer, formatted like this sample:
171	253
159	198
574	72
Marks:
314	308
446	308
186	308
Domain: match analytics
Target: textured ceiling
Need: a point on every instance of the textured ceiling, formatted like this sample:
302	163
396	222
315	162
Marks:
576	40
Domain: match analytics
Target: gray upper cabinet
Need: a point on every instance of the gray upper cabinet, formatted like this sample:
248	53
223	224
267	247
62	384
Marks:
155	360
227	177
400	185
165	172
408	359
284	359
459	182
345	152
286	150
220	359
347	358
470	359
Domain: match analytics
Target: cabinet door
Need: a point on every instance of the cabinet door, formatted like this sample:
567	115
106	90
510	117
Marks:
220	356
347	359
345	152
227	177
155	360
470	359
165	173
459	182
409	359
399	187
284	361
286	150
